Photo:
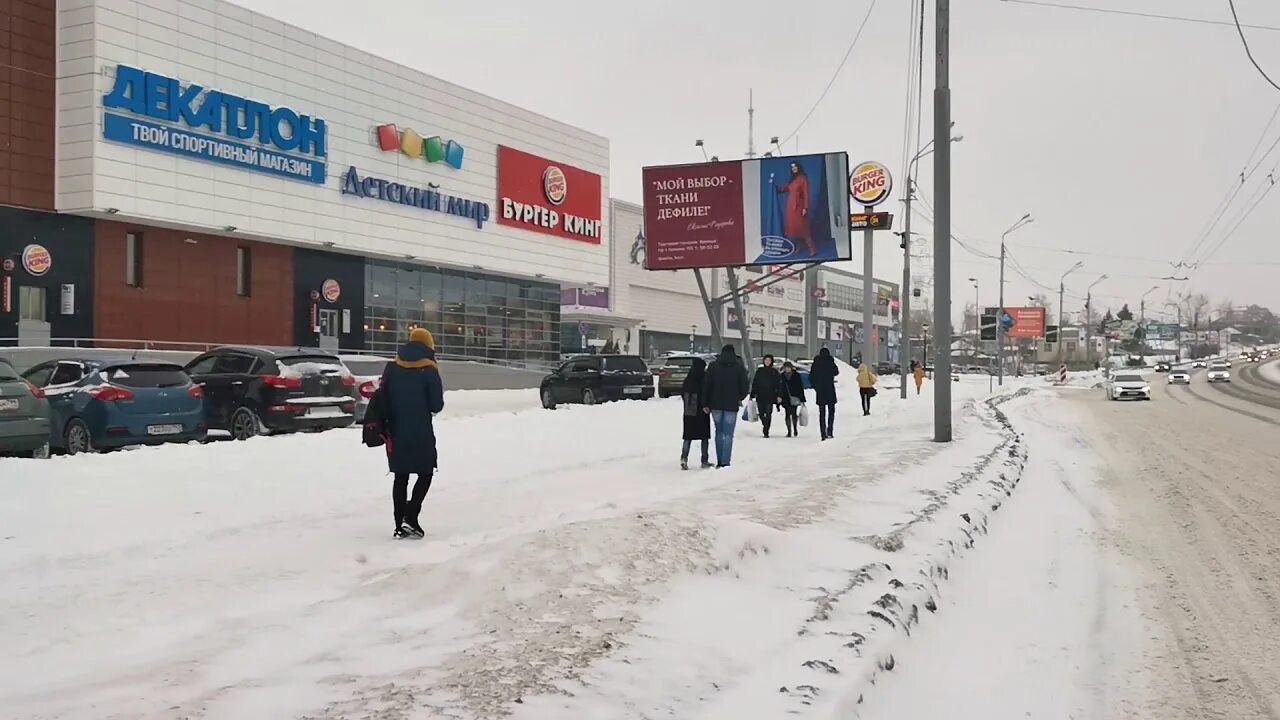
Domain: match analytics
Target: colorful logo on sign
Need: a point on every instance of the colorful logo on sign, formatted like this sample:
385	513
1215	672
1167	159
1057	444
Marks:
554	185
870	184
533	193
36	259
432	149
331	290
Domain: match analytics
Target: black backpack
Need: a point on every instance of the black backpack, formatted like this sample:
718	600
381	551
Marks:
375	418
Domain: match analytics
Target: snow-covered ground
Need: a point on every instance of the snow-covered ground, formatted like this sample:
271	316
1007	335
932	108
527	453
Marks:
570	570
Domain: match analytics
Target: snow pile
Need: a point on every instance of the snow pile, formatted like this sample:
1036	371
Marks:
1270	371
1086	379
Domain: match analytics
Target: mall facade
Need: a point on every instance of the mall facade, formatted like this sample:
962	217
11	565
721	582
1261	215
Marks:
196	173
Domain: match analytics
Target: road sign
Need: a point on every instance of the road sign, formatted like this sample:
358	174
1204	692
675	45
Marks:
875	221
583	328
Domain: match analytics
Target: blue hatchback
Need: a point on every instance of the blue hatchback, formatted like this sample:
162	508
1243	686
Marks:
102	405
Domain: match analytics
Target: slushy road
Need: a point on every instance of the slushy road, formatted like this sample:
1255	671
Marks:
1194	476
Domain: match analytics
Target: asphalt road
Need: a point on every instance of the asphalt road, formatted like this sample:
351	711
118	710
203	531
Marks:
1194	476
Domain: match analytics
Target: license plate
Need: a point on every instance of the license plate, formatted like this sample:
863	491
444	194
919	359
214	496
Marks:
164	429
8	404
633	390
326	412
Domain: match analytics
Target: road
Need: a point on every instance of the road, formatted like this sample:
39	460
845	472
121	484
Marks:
1194	477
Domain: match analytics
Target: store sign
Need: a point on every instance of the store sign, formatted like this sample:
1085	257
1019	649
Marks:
426	198
870	183
68	305
331	290
596	297
36	259
432	149
548	197
289	145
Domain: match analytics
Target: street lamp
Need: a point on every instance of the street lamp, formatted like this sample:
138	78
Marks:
1088	317
1142	319
906	248
1062	287
1022	222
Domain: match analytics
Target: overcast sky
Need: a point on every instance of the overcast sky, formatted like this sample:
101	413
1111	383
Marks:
1121	135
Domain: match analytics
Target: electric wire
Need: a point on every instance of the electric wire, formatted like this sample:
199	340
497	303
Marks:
834	75
1245	41
1135	13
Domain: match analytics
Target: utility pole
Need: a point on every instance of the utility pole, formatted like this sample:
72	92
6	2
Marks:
905	290
1062	289
942	224
1024	220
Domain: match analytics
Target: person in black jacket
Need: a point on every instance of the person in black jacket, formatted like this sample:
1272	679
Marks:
413	394
792	398
697	421
822	376
722	393
766	391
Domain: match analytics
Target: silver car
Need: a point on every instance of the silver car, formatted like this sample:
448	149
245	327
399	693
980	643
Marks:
24	416
367	370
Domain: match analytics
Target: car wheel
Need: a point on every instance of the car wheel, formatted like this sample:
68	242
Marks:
76	438
588	397
548	399
245	424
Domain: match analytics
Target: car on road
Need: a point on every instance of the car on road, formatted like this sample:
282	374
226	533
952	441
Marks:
24	415
591	379
252	391
367	371
674	370
97	405
1179	377
1199	364
1219	372
1127	386
1163	367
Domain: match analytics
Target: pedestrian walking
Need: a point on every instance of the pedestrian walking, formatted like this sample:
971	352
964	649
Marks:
822	376
697	421
918	374
866	386
412	394
793	397
723	391
766	392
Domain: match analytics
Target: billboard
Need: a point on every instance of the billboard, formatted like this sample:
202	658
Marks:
748	212
549	197
1018	322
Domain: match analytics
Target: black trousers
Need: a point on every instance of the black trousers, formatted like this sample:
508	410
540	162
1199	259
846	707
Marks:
765	411
866	400
407	509
827	420
792	418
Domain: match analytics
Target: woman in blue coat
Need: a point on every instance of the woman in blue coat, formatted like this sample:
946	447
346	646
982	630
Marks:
413	394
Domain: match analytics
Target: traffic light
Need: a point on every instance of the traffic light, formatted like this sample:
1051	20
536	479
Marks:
1051	333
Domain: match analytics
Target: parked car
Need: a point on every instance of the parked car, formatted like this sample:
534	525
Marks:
24	415
251	391
674	370
367	371
590	379
1199	363
108	404
888	368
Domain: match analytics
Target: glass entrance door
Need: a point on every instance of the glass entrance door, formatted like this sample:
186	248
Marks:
329	327
33	323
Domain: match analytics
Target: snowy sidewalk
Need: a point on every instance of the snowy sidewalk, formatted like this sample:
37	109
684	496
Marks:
570	569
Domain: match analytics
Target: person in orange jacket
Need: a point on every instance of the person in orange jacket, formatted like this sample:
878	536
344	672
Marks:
918	374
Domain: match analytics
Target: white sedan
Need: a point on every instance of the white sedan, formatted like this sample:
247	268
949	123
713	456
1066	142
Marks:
1127	386
1219	372
1179	377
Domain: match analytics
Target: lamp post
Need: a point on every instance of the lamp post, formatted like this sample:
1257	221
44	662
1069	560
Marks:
1022	222
1088	319
905	292
924	355
1062	288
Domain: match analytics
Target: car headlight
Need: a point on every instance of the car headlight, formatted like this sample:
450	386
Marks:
1146	388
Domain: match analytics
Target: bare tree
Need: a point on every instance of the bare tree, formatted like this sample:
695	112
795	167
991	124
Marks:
1195	309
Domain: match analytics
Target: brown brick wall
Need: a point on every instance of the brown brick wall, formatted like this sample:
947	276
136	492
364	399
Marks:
188	289
27	90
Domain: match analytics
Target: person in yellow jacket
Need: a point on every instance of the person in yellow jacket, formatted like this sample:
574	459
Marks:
866	386
918	374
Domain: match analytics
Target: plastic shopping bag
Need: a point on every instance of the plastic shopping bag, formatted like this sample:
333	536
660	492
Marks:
749	412
804	415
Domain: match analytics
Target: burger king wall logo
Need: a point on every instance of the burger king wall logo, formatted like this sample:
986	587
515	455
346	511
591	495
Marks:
554	185
36	259
331	290
870	183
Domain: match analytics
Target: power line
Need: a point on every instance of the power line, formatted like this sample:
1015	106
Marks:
1245	42
1135	13
912	104
1271	184
1245	175
834	75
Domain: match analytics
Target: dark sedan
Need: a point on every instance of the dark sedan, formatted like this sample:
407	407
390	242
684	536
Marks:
590	379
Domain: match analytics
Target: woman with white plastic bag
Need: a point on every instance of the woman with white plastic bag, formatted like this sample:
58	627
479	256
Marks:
793	399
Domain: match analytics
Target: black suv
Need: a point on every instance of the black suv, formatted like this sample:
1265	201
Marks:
250	391
1163	367
589	379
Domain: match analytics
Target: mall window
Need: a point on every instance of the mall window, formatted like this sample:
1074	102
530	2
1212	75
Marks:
133	259
844	297
244	271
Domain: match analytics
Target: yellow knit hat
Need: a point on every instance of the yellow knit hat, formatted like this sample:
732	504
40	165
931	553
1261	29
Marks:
422	335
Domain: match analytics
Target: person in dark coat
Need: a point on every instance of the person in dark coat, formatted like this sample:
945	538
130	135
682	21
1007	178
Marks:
822	376
766	391
723	391
697	421
792	398
413	394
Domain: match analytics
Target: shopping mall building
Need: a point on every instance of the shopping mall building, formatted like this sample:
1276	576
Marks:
196	172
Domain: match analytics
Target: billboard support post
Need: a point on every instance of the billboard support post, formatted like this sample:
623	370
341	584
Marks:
713	309
743	325
868	295
942	225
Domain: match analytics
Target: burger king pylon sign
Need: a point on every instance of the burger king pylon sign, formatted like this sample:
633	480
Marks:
870	183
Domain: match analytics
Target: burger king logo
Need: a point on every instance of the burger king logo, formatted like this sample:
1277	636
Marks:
36	259
554	185
331	290
870	184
